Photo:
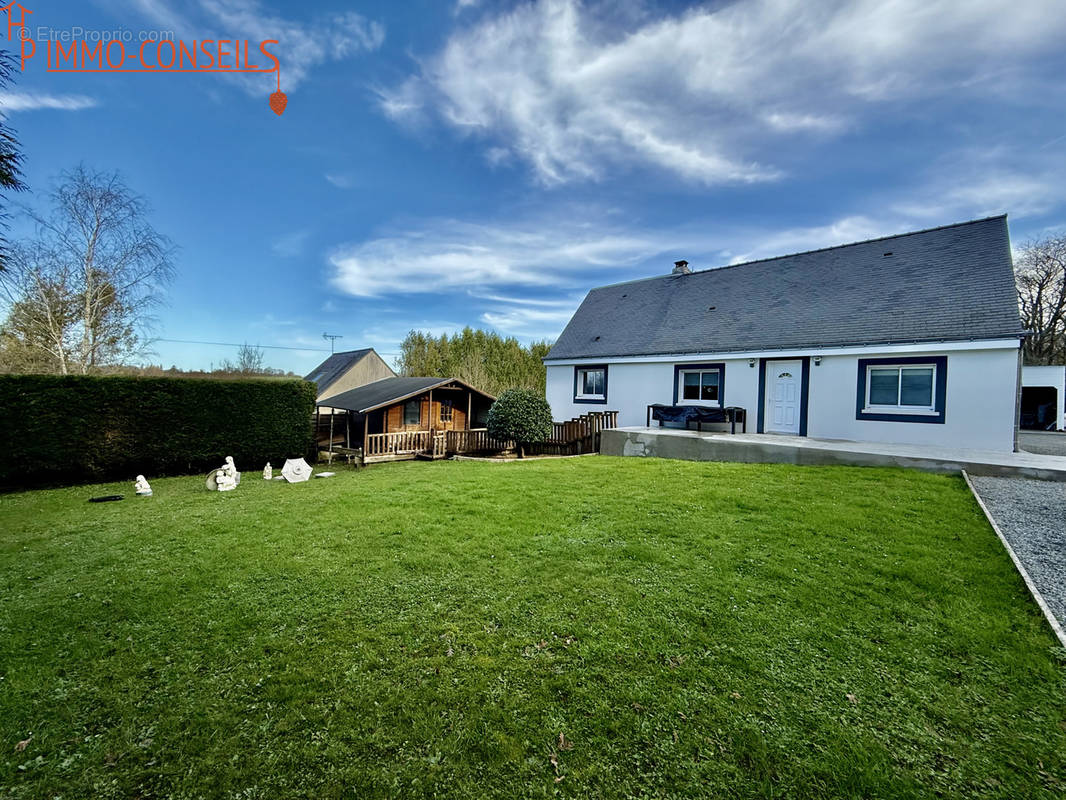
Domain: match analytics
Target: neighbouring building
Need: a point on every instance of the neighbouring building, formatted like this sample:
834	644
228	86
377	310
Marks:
348	370
1044	398
905	339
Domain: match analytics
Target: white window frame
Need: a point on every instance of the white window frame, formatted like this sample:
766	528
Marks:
581	383
929	410
698	401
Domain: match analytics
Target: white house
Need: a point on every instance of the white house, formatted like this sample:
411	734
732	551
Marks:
1044	398
906	339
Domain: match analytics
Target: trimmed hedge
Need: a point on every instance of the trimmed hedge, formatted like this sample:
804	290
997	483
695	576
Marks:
57	429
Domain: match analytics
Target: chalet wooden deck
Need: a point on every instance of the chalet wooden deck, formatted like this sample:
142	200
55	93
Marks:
573	437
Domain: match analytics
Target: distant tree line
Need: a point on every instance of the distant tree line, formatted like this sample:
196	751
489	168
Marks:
483	359
1040	273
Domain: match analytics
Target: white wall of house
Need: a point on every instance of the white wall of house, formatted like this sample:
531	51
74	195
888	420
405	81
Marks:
1049	376
979	405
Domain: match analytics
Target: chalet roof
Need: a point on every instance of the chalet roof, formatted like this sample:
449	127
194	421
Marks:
952	283
335	366
387	391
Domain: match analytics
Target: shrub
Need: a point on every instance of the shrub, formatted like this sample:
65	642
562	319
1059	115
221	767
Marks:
73	428
521	415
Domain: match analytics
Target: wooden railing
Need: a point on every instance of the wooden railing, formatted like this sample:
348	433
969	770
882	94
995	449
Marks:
476	440
581	427
579	435
399	443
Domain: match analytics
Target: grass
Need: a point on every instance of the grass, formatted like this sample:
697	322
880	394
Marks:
587	627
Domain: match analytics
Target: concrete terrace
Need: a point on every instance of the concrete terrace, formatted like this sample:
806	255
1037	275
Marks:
692	445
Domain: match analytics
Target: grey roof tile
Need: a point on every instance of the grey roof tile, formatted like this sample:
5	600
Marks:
333	367
372	395
952	283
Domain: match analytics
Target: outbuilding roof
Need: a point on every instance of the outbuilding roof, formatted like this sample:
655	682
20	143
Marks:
388	391
952	283
336	365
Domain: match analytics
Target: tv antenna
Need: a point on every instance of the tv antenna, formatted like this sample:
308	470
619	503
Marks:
333	337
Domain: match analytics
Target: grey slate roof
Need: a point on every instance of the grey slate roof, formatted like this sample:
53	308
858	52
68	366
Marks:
333	367
953	283
386	392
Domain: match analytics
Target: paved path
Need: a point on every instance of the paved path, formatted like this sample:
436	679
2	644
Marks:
1032	516
1046	443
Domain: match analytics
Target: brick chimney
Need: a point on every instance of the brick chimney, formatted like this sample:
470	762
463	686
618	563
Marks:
681	268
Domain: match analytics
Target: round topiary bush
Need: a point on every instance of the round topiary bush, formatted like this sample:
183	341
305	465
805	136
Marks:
521	415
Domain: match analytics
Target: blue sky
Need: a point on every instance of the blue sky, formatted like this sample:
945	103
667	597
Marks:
443	164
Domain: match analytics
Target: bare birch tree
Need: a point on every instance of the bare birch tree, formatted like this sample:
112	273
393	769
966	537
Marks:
1040	272
40	332
97	244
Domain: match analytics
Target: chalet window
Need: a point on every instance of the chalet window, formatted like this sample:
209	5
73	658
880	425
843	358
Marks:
699	384
590	384
445	410
412	412
902	390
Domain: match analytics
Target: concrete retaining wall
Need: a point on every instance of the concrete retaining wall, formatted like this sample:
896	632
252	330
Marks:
726	448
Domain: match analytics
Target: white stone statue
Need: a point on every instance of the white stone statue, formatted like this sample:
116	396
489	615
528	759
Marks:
268	472
141	487
231	469
225	481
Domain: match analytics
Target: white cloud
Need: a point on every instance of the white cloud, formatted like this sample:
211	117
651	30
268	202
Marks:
978	182
708	94
985	195
302	45
10	102
454	255
340	180
529	323
536	270
290	245
785	121
750	246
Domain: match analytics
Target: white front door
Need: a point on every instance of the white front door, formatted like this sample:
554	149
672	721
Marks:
783	396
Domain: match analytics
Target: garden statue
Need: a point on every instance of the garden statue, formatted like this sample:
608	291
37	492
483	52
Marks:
231	470
141	487
225	481
268	472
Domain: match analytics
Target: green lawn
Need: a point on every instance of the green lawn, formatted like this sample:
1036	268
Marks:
586	627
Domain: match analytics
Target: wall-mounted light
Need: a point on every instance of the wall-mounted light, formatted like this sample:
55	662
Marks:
751	362
817	360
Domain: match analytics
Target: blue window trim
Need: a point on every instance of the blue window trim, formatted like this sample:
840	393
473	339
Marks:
939	390
805	391
705	365
577	369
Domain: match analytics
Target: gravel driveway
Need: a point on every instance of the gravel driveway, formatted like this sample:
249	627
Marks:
1032	516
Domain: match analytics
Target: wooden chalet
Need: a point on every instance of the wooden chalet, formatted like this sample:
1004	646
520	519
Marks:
404	417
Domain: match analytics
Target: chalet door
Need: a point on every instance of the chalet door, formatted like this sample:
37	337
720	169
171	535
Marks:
443	415
783	396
